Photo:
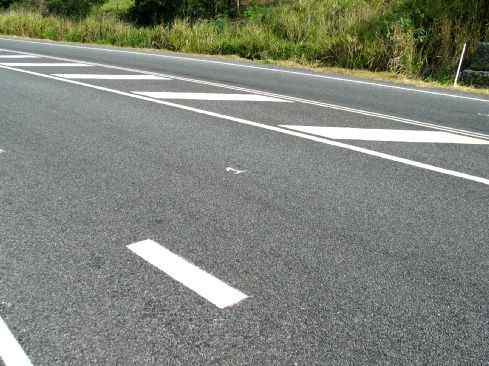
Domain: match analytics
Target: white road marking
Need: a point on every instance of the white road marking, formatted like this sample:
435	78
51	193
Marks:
300	73
235	171
110	77
43	64
270	128
293	99
11	352
211	96
206	285
374	134
17	56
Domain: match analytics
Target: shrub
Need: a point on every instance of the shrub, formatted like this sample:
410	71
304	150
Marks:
151	12
66	8
71	8
5	3
146	12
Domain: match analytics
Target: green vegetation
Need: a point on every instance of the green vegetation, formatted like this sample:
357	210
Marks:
117	5
65	8
414	38
5	3
151	12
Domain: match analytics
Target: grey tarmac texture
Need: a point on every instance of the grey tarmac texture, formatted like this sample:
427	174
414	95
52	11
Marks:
346	258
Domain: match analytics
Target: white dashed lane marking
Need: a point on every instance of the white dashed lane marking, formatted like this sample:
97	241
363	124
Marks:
203	283
43	64
374	134
11	353
110	77
211	96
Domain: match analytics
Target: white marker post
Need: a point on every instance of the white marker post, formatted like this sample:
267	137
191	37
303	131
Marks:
460	65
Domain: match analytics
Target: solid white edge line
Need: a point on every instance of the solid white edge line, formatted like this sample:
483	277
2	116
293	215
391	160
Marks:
206	285
294	99
270	128
300	73
11	353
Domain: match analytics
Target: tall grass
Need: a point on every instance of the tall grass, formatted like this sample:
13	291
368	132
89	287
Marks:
117	5
379	35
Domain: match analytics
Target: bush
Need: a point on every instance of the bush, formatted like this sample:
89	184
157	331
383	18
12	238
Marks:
209	8
151	12
155	11
66	8
71	8
440	27
5	3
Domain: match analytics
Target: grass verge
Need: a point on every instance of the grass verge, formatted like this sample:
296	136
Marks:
332	35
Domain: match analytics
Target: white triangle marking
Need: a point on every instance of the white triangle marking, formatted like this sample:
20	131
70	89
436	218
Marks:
374	134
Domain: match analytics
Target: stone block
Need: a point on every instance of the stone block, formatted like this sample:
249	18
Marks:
476	78
480	59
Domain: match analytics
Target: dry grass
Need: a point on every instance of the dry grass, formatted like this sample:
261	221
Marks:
374	35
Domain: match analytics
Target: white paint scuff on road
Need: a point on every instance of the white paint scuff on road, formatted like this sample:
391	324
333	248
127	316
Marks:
234	171
375	134
110	77
43	64
211	96
362	150
11	353
203	283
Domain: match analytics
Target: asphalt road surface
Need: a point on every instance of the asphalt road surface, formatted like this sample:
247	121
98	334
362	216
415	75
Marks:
163	209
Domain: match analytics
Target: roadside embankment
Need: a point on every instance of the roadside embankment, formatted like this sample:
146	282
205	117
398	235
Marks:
414	38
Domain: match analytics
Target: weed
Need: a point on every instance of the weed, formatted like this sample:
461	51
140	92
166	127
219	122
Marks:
413	38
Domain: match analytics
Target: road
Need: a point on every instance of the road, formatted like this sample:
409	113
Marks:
164	209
